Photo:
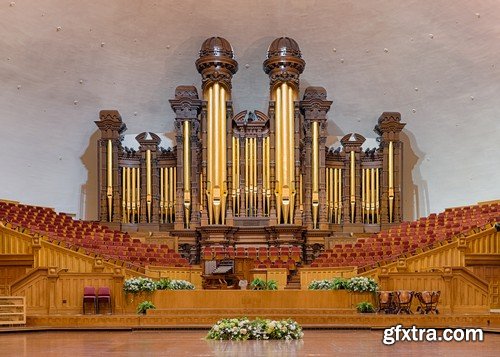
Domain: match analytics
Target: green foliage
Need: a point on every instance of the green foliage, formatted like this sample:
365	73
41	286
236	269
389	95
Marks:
241	329
260	284
365	307
144	306
163	284
358	284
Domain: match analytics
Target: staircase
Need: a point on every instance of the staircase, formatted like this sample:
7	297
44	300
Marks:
293	283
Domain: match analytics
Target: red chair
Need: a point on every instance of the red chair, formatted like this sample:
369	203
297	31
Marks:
104	296
89	297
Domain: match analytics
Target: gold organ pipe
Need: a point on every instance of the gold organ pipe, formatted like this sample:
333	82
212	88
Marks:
364	189
377	187
210	129
201	192
247	170
162	187
233	172
129	198
372	200
268	171
315	173
138	199
291	147
124	195
278	154
250	176
148	184
264	177
109	171
223	154
174	192
187	172
327	181
285	152
216	152
237	181
133	194
255	175
391	180
340	195
336	194
353	185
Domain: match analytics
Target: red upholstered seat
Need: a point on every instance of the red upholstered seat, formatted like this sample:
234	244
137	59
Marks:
89	297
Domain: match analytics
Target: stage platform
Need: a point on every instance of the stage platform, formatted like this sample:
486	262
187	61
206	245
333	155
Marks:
204	319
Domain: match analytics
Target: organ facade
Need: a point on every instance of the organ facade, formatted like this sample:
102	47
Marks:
254	177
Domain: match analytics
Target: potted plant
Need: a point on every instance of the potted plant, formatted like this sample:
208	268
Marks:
144	306
365	307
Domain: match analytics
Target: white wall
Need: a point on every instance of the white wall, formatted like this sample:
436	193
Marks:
436	62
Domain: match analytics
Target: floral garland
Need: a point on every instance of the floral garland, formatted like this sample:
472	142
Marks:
241	329
140	284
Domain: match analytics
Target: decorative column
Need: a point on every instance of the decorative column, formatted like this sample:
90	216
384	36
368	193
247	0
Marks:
150	197
314	107
389	127
284	64
187	107
217	67
111	126
352	182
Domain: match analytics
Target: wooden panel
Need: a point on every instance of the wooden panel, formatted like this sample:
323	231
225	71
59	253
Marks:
12	310
191	274
13	242
250	299
309	274
492	275
277	274
485	243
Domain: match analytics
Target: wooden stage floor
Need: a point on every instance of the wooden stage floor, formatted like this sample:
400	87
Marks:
192	343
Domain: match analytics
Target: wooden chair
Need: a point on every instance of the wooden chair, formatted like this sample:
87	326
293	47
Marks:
89	297
104	296
428	301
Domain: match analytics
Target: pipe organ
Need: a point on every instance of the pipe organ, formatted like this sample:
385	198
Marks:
250	169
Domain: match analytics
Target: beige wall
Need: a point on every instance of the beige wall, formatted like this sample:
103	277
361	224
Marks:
441	70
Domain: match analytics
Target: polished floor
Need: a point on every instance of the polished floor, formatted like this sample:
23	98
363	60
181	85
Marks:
192	343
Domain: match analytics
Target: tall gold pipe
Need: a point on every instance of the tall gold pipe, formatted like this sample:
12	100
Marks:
201	192
377	197
247	170
255	175
278	154
291	147
372	200
174	191
216	153
335	194
237	180
315	173
391	180
233	173
138	199
353	186
264	177
340	195
223	154
187	171
133	194
162	190
210	129
268	179
129	198
124	195
363	195
301	203
109	171
250	176
149	194
285	151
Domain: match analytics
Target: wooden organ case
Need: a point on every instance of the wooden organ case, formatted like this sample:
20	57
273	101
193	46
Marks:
251	178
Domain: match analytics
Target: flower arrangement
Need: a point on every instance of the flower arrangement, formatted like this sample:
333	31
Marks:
362	284
321	285
144	306
180	285
365	307
260	284
357	284
136	285
241	329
